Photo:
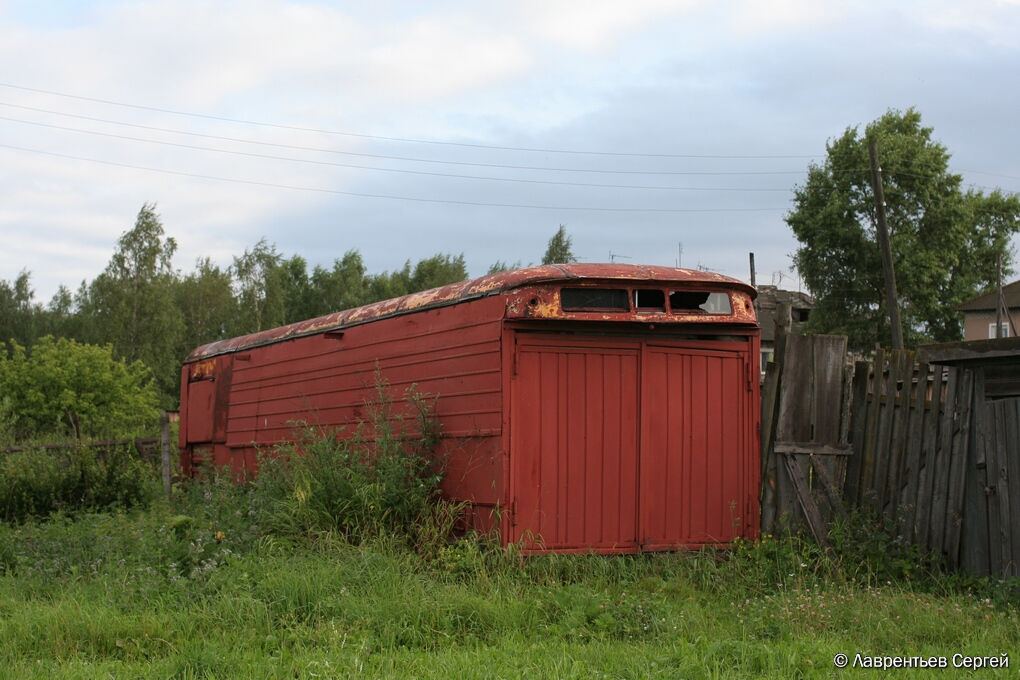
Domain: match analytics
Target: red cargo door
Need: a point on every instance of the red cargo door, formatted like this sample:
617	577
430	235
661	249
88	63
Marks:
627	445
574	433
693	447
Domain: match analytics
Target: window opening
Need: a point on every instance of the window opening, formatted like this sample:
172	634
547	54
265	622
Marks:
581	299
709	302
649	301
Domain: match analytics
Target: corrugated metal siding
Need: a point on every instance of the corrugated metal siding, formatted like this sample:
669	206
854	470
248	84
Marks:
327	380
575	436
694	449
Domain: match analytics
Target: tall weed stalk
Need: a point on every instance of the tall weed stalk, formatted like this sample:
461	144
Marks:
380	478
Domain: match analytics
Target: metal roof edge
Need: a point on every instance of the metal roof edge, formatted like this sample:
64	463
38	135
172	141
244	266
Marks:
463	291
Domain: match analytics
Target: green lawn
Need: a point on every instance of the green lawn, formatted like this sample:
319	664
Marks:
206	594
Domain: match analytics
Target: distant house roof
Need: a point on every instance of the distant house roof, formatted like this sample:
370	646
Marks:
987	302
769	298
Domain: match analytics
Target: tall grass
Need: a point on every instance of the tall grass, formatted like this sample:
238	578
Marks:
234	580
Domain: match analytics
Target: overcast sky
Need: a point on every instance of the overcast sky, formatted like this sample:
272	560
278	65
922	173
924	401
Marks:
405	129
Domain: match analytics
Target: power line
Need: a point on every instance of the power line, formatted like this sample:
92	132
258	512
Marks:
382	196
295	147
378	169
410	140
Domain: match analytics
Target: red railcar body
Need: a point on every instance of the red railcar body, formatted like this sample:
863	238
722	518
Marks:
584	407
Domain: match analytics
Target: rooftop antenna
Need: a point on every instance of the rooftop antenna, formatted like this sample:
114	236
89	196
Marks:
679	254
613	256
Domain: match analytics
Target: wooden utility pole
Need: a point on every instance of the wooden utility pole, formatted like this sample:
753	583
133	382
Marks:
884	247
998	296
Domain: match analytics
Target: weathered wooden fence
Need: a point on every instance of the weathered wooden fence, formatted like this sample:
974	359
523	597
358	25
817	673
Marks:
156	450
916	441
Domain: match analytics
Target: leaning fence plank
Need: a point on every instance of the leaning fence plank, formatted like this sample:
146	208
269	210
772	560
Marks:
812	516
958	466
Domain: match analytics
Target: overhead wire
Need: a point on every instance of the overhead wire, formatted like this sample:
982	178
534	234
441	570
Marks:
382	196
374	168
392	139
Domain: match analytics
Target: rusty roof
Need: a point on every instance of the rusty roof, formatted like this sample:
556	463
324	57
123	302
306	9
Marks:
462	291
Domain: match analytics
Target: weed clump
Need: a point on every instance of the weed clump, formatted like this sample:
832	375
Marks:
380	479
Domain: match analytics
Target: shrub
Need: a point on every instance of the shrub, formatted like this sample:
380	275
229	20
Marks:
64	389
38	481
378	479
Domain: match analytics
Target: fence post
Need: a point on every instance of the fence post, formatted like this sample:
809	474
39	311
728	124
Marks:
164	434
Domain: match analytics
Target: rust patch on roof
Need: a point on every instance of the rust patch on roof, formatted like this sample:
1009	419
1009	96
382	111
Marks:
462	291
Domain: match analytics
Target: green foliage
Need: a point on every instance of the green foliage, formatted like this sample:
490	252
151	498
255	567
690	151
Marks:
35	482
431	272
259	278
339	288
559	251
944	240
132	306
501	266
206	300
64	389
378	480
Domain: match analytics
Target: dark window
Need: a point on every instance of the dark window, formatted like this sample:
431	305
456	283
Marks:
649	301
579	299
710	302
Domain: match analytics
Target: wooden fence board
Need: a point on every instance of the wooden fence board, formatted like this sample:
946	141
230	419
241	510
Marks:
1011	414
929	451
975	547
990	435
869	446
858	417
900	375
958	466
913	460
921	445
769	415
943	452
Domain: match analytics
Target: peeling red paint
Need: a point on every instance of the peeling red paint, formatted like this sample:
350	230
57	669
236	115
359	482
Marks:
622	428
538	282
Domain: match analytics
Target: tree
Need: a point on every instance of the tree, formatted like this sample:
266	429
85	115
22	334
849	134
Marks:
19	314
67	389
342	287
132	303
430	272
206	300
944	240
501	266
259	289
558	250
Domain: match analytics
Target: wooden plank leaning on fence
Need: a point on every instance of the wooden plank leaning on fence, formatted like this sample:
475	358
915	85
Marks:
803	436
